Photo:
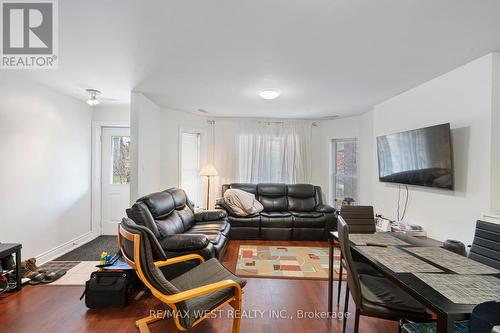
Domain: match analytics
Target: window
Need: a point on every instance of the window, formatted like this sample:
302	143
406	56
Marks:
343	171
190	166
274	152
120	150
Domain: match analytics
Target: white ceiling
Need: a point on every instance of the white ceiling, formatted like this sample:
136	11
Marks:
328	57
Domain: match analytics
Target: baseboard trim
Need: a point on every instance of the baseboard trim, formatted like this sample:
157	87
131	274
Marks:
65	248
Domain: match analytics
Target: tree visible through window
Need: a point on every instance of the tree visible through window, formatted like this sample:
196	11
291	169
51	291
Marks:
120	149
344	171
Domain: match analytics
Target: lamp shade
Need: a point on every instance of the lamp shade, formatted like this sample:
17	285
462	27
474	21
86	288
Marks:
208	170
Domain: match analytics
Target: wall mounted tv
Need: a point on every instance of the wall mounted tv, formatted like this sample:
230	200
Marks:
419	157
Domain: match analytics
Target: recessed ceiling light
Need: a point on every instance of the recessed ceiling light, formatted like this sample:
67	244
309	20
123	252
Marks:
269	93
92	100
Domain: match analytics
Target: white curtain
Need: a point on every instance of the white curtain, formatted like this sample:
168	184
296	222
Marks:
253	151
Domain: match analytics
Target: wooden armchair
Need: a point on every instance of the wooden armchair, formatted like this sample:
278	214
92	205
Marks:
192	296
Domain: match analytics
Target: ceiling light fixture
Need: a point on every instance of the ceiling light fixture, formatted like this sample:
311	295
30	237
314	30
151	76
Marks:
269	93
92	100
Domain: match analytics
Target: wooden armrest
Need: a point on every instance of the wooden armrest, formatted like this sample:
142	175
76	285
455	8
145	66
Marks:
177	260
196	292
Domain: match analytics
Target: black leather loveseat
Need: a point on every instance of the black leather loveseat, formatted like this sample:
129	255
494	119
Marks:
291	212
179	230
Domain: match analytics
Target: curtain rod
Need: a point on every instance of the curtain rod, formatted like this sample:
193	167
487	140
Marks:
314	124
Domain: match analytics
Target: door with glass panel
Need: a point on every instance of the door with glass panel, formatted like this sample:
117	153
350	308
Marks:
115	177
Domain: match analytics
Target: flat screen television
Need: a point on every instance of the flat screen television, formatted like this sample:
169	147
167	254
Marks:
419	157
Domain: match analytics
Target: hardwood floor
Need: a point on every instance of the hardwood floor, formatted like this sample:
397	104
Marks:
57	309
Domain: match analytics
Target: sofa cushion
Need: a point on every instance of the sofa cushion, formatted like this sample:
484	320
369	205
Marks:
245	221
212	227
301	197
170	225
179	196
183	242
301	190
250	188
272	197
276	214
140	214
187	216
276	219
309	221
271	190
312	214
213	237
160	204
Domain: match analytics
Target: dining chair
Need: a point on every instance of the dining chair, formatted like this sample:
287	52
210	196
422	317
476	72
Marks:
193	296
361	220
375	296
486	244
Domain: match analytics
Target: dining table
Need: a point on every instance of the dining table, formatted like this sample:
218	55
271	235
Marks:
447	284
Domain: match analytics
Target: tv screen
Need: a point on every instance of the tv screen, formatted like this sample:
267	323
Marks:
418	157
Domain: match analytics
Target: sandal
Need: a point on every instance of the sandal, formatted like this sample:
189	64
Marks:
37	279
53	276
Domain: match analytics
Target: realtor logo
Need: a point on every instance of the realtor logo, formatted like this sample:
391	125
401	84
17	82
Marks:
29	34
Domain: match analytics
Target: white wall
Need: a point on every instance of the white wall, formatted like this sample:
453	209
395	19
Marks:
358	127
118	112
145	146
462	97
45	166
495	137
171	123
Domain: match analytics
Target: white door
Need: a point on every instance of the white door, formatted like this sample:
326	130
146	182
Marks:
115	177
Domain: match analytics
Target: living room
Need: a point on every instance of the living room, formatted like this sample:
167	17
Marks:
242	135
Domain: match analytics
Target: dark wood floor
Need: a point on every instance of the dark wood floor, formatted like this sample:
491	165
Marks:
57	309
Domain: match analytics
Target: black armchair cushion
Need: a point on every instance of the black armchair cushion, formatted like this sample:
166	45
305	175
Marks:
210	215
209	272
150	251
325	209
183	243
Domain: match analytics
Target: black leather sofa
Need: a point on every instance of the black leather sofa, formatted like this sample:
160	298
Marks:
291	212
170	216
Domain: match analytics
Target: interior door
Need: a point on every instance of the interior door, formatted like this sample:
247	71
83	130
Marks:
115	177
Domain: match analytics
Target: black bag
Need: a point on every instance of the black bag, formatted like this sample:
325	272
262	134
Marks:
107	290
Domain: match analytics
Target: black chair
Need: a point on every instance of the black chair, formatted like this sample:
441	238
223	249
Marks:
361	220
486	244
375	296
193	296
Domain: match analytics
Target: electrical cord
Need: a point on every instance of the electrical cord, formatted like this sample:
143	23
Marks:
406	203
399	200
400	216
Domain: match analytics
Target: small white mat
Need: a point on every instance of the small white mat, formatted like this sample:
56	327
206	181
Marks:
78	275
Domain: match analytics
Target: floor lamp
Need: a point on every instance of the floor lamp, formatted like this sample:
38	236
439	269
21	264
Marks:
208	171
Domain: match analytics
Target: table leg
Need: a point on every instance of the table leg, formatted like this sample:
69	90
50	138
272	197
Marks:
445	324
330	276
339	289
18	270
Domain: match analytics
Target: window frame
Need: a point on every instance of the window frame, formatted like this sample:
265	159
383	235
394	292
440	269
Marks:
332	168
112	177
203	155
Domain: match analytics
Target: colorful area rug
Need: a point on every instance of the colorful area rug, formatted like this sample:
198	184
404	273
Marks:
285	262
